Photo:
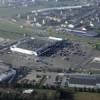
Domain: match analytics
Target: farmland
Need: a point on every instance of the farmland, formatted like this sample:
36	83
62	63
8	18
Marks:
87	96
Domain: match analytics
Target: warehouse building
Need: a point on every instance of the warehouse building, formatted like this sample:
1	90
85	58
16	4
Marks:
38	46
4	77
84	81
6	72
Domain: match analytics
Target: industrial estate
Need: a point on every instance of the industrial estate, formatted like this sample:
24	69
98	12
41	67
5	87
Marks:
51	46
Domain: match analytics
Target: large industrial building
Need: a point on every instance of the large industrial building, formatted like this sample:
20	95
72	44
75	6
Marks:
4	77
6	73
84	81
37	46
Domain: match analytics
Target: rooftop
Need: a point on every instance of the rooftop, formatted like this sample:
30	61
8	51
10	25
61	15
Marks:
85	79
35	43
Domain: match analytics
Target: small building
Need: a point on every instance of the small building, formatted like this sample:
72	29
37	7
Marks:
28	91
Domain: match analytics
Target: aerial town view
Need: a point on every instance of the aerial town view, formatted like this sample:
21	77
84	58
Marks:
49	49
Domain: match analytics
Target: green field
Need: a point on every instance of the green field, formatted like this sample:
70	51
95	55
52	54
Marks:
87	96
74	96
12	11
82	39
8	12
11	30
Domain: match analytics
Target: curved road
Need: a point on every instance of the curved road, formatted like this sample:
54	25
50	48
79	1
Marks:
60	8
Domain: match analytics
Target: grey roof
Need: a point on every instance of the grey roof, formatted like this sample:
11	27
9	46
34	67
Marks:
98	78
3	68
35	44
86	33
84	80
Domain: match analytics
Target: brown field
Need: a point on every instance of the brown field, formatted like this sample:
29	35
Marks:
87	96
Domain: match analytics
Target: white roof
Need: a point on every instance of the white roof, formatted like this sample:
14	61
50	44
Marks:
61	74
71	26
24	51
96	59
28	91
55	38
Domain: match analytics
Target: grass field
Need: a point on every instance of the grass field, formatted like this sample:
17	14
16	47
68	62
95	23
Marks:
76	96
8	12
82	39
11	30
87	96
12	11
